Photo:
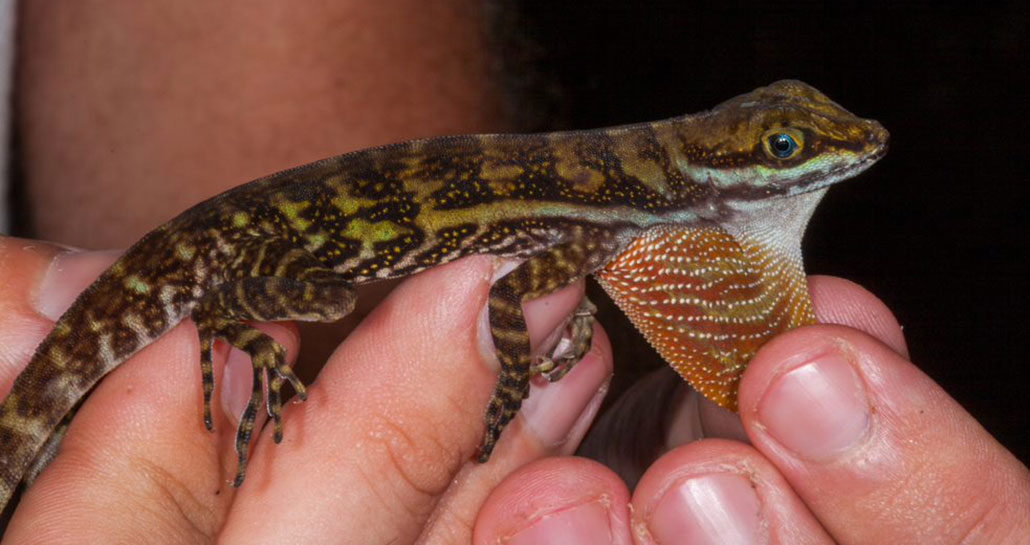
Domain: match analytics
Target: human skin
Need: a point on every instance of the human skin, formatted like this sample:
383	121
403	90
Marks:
130	112
381	451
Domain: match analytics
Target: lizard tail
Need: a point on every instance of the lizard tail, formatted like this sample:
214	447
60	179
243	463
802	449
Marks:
116	316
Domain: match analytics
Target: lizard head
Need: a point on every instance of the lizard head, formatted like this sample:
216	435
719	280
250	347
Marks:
784	139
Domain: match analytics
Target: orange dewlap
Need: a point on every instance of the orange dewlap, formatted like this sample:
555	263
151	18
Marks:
707	301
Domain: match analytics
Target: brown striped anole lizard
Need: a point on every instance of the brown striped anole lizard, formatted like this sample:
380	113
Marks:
693	225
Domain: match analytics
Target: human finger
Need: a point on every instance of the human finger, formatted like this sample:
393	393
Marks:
720	492
875	448
564	500
391	421
134	446
835	301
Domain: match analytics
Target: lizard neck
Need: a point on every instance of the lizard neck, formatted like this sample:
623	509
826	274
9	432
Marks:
778	223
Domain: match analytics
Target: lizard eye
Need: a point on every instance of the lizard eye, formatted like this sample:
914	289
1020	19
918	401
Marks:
781	144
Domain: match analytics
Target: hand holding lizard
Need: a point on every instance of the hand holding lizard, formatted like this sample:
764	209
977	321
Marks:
379	453
391	441
850	443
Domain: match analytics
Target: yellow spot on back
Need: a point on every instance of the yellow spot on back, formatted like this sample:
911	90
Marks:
349	205
185	251
644	169
582	178
240	219
492	171
381	231
136	284
316	240
292	212
292	209
499	176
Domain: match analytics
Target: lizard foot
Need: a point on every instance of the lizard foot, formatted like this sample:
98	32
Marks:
307	292
269	362
574	344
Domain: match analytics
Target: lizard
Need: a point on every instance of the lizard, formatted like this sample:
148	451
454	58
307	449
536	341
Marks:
692	224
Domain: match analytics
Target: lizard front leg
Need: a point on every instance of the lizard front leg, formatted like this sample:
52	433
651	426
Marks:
321	296
540	275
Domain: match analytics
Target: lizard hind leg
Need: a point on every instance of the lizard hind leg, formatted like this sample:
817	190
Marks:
319	297
265	358
540	275
266	354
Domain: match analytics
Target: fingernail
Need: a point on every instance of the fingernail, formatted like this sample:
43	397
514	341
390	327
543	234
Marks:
545	317
718	508
587	524
554	411
69	273
237	383
818	409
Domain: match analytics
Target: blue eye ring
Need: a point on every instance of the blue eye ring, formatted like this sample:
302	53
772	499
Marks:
782	145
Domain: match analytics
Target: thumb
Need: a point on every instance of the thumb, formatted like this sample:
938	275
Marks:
876	449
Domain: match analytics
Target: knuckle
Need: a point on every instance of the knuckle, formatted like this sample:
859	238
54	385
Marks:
416	463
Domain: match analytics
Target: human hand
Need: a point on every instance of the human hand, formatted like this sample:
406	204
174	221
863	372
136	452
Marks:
380	450
850	443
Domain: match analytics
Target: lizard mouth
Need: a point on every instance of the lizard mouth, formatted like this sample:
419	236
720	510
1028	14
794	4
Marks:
819	180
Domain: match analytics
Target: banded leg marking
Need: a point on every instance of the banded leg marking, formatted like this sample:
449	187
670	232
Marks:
266	354
320	298
538	276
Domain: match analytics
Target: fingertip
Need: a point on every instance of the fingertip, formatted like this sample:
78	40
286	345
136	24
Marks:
843	302
814	401
23	264
40	281
68	275
866	439
813	391
719	491
556	500
558	414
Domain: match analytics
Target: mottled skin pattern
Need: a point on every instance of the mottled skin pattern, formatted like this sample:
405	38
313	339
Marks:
293	245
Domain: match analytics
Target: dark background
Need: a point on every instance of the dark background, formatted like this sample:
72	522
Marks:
937	229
